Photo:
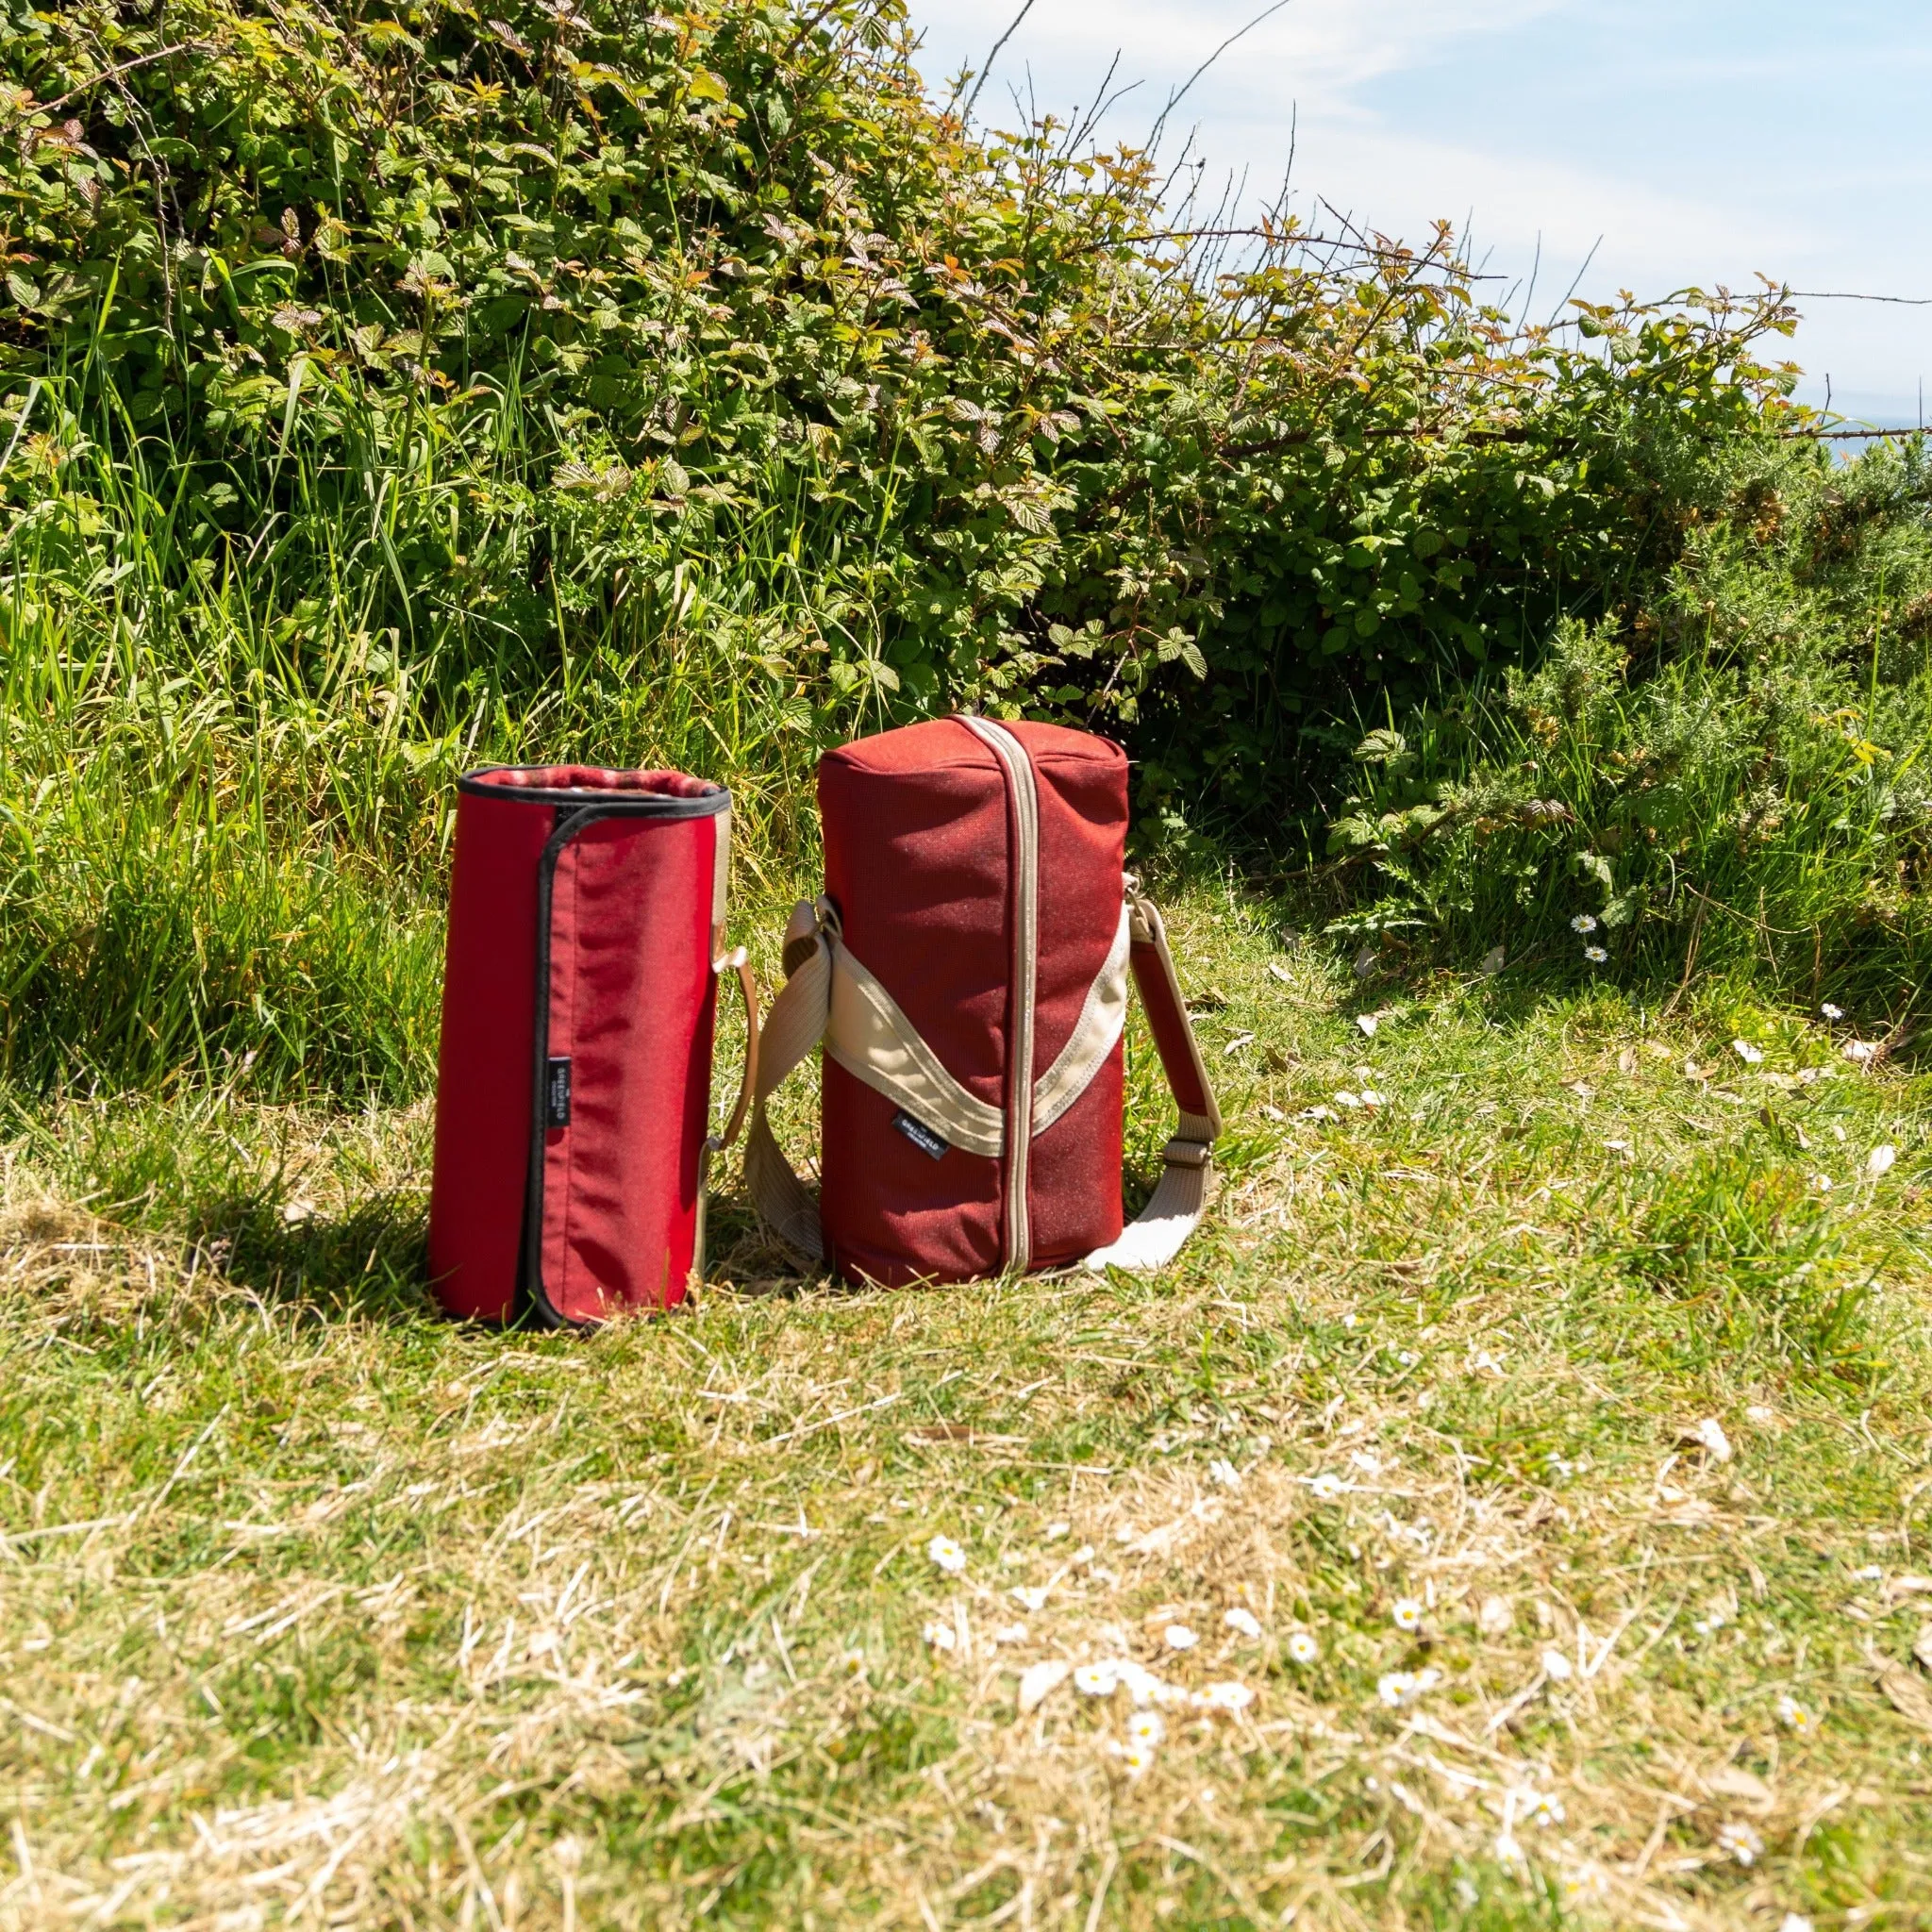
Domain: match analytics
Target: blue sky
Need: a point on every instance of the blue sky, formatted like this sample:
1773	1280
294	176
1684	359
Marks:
1697	142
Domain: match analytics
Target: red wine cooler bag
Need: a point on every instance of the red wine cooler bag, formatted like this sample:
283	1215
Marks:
586	938
966	971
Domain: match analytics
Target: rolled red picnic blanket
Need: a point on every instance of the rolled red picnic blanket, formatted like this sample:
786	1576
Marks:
586	933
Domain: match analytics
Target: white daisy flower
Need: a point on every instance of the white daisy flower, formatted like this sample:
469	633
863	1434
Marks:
1327	1486
1372	1097
1741	1842
1558	1667
1583	922
1234	1698
1395	1688
940	1636
1348	1100
1859	1051
1010	1633
1303	1648
1880	1159
1822	1182
1223	1471
1595	955
1750	1055
853	1663
1244	1622
1407	1614
1178	1637
1507	1851
1146	1729
1140	1683
1794	1922
1096	1680
1136	1759
947	1554
1831	1012
1795	1717
1544	1808
1029	1596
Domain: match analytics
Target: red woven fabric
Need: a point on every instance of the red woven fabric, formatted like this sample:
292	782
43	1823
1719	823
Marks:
632	1005
629	1007
1169	1026
918	860
1074	1196
484	1061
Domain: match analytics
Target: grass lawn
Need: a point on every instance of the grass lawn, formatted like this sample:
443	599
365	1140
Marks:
1542	1448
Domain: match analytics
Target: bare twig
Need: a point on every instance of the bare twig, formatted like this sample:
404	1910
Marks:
107	73
1841	295
1845	434
1175	99
1023	12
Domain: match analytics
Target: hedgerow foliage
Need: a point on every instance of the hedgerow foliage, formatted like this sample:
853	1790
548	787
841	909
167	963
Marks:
1737	777
526	352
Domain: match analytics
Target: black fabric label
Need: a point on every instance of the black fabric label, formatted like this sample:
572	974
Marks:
557	1093
920	1134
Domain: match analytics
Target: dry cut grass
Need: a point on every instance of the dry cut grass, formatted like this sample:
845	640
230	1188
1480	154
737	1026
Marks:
1511	1511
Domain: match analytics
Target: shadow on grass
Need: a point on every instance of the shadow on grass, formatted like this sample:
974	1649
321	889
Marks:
370	1263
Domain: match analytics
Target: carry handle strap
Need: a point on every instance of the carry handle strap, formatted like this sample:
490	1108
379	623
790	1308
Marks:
1157	1234
738	961
794	1026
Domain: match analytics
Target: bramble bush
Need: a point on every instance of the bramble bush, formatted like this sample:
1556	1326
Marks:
710	321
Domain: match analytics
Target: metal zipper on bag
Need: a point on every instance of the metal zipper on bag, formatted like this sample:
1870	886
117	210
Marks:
1020	787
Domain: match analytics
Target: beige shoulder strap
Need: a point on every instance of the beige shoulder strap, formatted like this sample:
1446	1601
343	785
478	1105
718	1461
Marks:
816	963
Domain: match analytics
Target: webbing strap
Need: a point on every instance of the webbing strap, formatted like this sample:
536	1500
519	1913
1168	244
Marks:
797	1021
794	1026
1174	1210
